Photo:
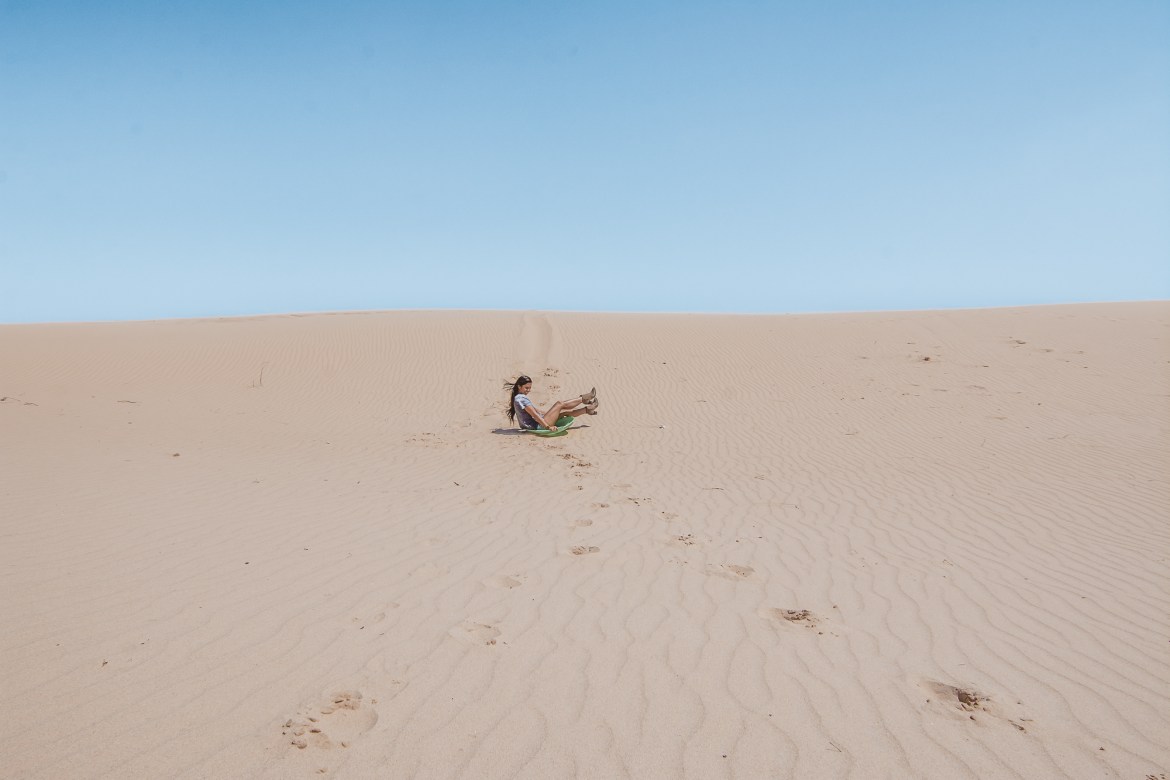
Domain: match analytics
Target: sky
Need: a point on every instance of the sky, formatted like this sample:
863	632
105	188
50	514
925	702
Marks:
166	160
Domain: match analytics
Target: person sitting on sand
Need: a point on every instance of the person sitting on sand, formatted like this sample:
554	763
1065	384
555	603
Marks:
522	410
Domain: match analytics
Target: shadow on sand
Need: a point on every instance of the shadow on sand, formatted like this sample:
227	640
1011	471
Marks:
521	431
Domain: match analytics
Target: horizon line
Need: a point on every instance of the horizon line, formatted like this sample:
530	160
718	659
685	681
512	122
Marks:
340	312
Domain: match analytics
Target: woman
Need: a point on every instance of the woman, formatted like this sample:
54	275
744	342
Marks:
522	410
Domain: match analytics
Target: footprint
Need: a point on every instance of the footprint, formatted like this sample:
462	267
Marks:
584	550
476	633
428	571
377	617
967	701
686	540
504	581
801	617
732	571
582	523
332	724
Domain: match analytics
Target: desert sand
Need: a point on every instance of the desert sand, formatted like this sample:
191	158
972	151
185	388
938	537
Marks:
882	545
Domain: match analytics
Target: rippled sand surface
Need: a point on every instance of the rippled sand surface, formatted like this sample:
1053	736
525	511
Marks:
922	544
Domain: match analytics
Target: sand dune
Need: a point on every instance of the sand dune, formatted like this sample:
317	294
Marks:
927	544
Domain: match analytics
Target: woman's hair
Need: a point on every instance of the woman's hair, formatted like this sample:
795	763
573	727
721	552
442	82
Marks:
520	380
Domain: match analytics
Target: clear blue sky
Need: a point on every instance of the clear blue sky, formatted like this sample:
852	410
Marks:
188	159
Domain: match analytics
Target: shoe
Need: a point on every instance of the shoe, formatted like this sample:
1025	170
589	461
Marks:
589	397
592	407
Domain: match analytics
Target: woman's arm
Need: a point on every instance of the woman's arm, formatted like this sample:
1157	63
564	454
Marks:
530	409
536	415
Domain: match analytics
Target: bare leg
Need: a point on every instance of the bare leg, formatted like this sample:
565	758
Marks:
562	408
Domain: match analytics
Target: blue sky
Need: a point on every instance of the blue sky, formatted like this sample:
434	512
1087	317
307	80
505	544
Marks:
176	160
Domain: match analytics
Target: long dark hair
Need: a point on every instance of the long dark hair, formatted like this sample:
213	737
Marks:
520	380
